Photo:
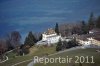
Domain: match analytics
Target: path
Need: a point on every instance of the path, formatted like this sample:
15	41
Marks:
4	60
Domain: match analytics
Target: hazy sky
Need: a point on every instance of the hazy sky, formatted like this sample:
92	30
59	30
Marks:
38	15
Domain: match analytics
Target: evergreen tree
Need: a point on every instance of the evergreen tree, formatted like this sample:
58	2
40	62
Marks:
59	46
26	42
40	37
98	22
57	28
84	29
30	39
73	43
91	23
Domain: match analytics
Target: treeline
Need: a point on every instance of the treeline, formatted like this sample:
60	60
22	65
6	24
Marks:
13	42
62	45
81	27
93	22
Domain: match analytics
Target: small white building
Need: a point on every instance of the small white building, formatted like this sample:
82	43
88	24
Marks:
94	31
49	37
83	40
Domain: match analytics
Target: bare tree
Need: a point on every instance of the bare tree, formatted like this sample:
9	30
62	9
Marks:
13	40
3	48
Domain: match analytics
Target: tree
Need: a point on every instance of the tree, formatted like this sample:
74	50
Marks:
84	29
40	37
98	22
64	45
15	38
8	42
59	46
72	43
14	41
26	42
91	23
76	30
25	49
57	29
3	48
30	39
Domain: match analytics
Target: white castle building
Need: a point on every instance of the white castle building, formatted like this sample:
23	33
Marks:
49	37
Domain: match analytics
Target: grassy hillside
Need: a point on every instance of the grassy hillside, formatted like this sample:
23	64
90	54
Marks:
34	51
41	50
72	54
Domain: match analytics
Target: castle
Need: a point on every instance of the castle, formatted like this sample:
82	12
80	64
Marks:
49	37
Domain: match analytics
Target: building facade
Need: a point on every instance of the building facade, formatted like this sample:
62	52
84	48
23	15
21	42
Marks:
49	37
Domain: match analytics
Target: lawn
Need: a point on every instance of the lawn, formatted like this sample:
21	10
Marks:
34	51
80	52
41	51
24	64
